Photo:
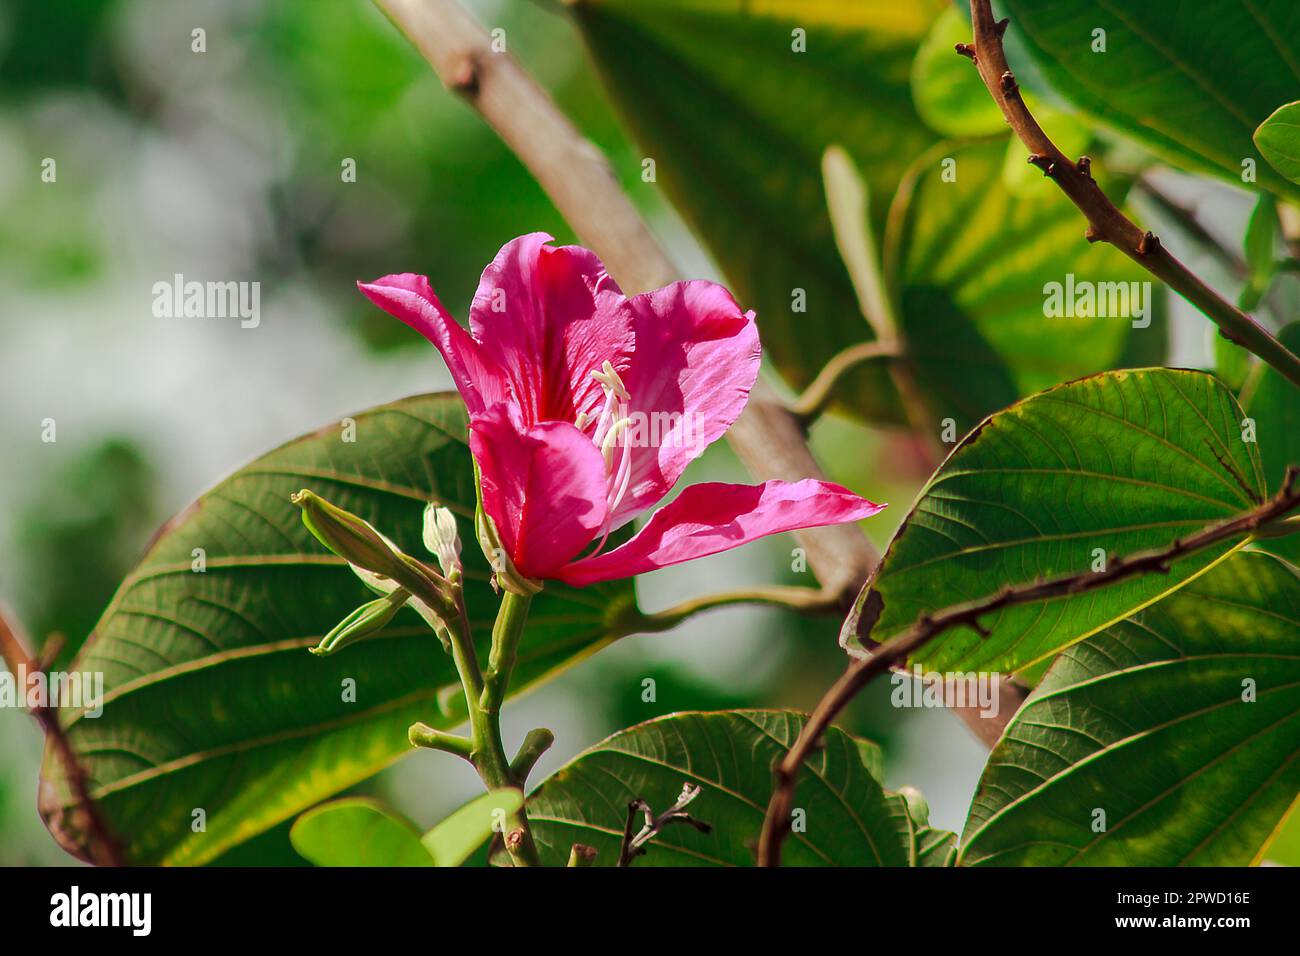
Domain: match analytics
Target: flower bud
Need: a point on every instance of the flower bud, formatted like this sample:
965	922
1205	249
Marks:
366	621
348	536
442	539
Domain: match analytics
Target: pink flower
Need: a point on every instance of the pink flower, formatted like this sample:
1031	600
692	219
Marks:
586	407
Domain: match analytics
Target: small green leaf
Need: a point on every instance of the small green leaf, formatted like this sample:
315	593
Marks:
1064	483
845	817
357	832
1260	247
454	840
1278	138
1169	739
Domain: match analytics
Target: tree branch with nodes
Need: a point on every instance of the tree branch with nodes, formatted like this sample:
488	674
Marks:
1265	518
1106	223
101	846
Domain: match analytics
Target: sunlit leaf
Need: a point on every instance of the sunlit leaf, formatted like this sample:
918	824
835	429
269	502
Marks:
1063	483
357	832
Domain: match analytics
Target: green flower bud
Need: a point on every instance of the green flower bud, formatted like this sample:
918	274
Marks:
366	621
348	536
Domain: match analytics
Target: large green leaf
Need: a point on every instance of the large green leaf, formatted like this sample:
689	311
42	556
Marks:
1146	722
1192	81
974	265
850	819
357	831
213	703
1115	463
737	122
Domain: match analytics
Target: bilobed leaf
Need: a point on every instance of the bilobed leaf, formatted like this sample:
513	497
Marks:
212	703
1191	81
850	819
1181	725
1278	138
357	831
737	121
993	288
1082	473
454	840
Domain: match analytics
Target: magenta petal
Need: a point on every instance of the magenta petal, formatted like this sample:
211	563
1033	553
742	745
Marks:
707	518
549	316
696	359
543	485
410	298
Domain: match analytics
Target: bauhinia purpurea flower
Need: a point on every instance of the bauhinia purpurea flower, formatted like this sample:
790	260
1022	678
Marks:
586	406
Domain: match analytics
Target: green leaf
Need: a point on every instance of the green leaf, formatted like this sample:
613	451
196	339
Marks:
454	840
1260	248
737	121
1146	722
357	832
1110	465
212	701
851	820
947	88
1273	403
1191	81
976	265
1278	138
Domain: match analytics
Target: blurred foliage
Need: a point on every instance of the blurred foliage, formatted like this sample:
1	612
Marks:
79	535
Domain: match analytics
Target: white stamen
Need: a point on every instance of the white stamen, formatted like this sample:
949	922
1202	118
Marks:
610	381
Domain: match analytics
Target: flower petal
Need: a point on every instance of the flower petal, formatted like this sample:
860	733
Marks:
549	316
696	359
711	517
410	298
543	485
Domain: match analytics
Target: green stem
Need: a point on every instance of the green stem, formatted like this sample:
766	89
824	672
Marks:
803	600
506	634
489	755
484	749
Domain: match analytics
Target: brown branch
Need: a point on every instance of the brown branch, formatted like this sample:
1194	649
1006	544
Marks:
634	841
100	845
1105	221
577	177
776	824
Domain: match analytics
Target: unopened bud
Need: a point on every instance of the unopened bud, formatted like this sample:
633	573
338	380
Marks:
348	536
366	621
442	538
